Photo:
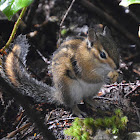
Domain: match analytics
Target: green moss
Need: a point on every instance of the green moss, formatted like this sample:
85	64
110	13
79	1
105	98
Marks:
83	129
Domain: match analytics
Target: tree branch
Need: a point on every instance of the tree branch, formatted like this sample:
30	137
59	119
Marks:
92	8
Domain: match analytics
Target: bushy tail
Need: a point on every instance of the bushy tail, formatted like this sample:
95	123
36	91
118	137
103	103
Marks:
15	73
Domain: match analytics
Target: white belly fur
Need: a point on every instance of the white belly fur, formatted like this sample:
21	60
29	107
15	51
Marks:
80	90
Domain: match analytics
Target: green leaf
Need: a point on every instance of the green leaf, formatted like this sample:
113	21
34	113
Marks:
64	32
10	7
126	3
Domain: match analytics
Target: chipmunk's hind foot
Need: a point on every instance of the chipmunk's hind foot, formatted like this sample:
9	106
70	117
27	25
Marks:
76	111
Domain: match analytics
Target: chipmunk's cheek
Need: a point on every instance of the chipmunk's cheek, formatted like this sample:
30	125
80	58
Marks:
111	64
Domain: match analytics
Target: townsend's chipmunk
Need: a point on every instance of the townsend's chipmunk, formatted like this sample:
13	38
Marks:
80	66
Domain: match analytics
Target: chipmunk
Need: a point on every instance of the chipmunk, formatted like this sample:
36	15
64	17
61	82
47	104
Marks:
79	67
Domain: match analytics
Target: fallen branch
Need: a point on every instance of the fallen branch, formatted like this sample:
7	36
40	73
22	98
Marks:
13	133
93	9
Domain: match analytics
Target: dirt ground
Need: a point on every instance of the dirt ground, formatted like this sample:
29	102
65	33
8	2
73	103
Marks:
41	24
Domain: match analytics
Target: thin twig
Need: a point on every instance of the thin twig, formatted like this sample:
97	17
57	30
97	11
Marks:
134	89
64	17
117	85
14	29
13	133
67	12
104	98
61	119
50	115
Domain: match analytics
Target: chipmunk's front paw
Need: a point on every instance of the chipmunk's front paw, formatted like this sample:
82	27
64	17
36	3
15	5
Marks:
112	77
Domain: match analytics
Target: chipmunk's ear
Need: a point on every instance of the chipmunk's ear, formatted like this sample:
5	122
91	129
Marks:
106	32
91	37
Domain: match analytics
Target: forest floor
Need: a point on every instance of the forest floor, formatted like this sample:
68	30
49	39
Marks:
41	24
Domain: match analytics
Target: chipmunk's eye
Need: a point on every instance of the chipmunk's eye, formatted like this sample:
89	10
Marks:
103	55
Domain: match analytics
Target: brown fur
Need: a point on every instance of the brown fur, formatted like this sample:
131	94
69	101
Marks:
86	59
78	70
9	65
